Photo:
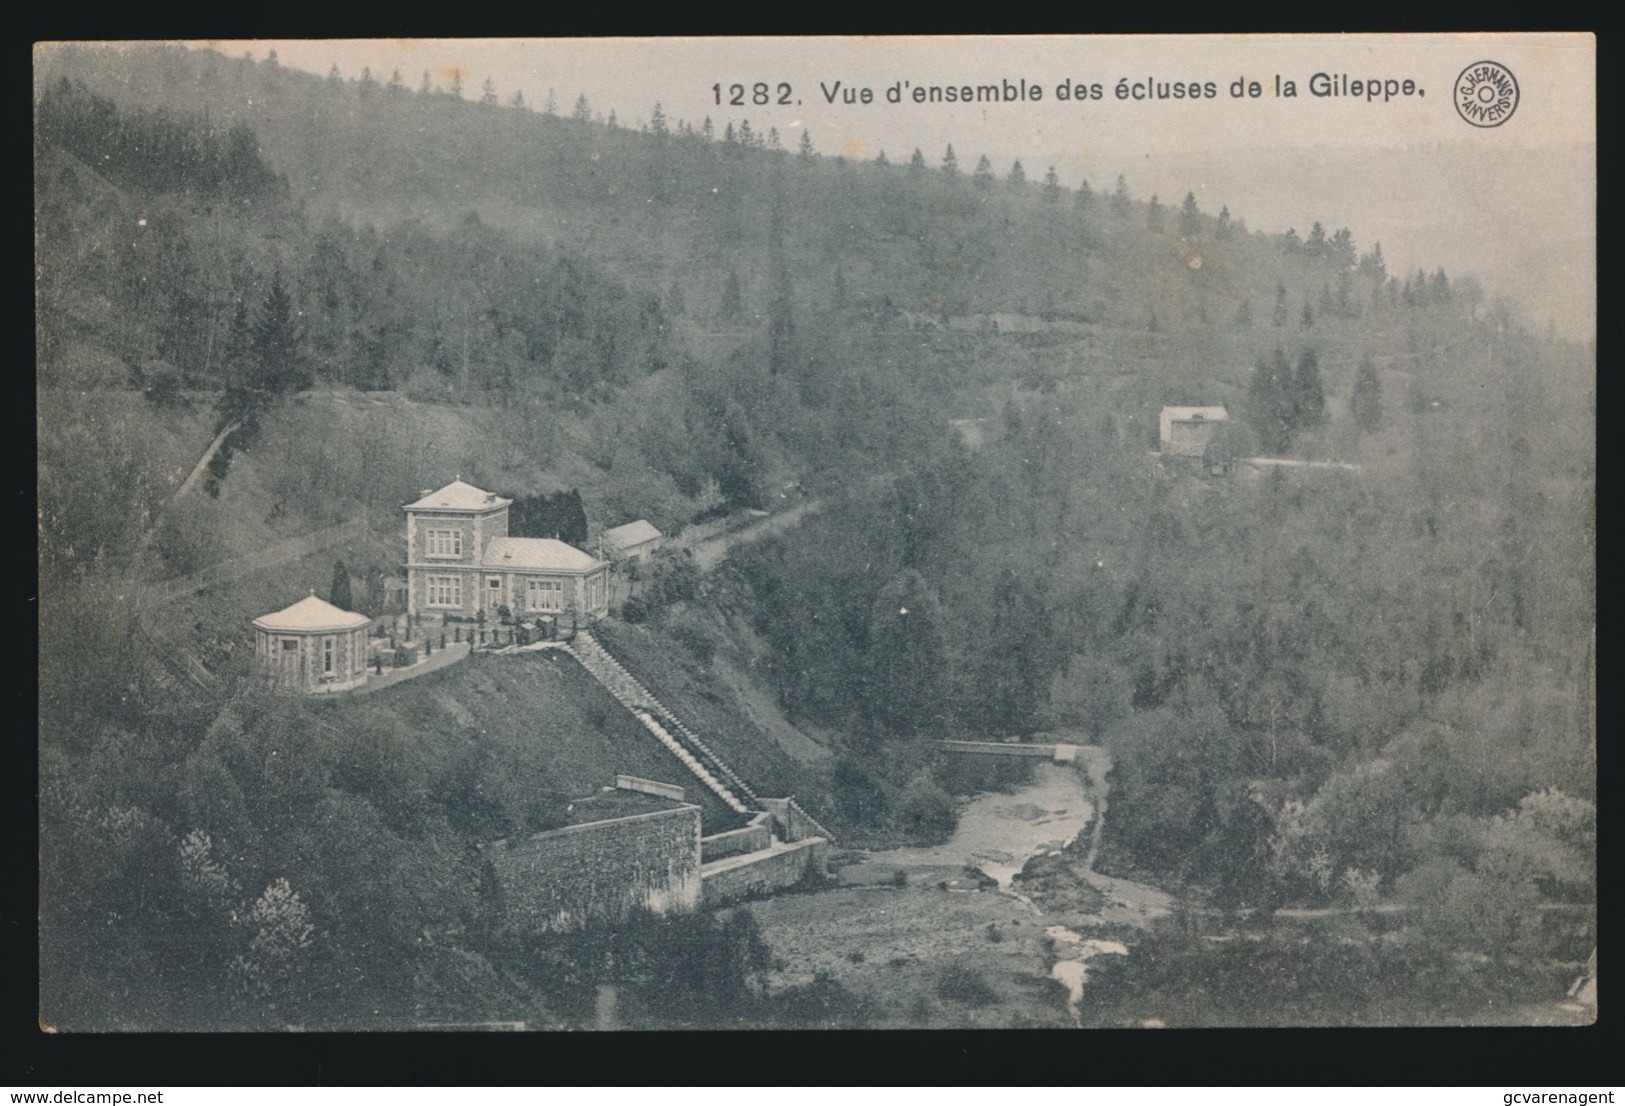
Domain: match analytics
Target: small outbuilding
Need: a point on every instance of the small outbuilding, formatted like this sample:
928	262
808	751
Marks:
312	647
633	541
1188	431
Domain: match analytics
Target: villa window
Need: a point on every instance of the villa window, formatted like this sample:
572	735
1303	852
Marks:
445	591
445	543
544	595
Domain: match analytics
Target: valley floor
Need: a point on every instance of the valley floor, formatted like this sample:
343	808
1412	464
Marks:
925	938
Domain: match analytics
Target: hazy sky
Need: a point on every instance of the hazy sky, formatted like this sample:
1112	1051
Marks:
1474	207
1555	75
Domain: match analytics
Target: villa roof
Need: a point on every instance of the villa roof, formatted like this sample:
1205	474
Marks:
633	533
537	555
459	496
311	615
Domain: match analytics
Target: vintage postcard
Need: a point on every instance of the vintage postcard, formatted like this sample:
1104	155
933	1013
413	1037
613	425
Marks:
1050	532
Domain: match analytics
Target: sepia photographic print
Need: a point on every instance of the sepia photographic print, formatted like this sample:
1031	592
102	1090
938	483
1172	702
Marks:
818	533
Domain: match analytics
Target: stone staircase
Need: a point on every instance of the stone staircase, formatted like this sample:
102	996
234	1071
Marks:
695	754
690	761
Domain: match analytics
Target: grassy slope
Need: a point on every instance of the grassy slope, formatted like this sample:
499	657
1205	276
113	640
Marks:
713	710
547	723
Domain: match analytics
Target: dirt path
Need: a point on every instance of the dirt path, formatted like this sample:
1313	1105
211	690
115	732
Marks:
187	485
711	551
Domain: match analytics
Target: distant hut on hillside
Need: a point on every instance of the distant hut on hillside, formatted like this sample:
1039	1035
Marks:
1188	431
312	647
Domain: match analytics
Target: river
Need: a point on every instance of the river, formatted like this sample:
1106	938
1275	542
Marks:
999	833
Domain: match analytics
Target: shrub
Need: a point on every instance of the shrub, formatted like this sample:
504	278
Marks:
925	812
695	641
965	986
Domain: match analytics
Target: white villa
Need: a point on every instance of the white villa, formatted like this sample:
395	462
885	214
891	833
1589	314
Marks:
460	561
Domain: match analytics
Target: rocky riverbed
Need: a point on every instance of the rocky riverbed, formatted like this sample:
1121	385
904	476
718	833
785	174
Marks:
994	928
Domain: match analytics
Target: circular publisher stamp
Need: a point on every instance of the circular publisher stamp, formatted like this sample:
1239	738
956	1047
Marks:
1486	94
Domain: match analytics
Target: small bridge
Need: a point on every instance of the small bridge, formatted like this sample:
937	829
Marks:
1060	752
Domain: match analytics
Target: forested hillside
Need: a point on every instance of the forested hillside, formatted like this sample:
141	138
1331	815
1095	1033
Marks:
1321	686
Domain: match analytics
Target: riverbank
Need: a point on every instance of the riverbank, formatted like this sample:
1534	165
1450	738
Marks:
989	930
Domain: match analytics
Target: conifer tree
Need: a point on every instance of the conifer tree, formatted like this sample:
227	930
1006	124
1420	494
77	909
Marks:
1190	220
983	175
1153	216
906	677
1372	265
1366	403
339	594
950	163
1084	198
277	356
804	147
1315	244
1269	402
1018	175
1309	396
1052	186
1342	248
1225	228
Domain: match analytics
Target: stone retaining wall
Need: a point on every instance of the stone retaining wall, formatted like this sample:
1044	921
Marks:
598	871
783	865
748	839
